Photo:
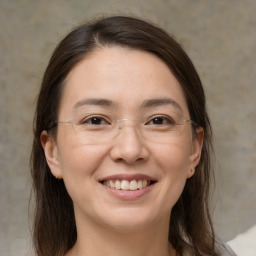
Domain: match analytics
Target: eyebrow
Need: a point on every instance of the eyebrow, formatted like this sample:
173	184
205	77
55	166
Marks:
159	102
145	104
94	101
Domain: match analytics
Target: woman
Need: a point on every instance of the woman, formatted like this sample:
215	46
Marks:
122	147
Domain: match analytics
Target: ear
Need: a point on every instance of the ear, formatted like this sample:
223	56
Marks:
195	155
51	154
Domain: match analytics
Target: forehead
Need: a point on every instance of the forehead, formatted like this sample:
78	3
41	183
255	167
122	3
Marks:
124	76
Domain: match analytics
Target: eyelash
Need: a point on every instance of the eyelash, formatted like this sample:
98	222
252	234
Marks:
88	120
165	119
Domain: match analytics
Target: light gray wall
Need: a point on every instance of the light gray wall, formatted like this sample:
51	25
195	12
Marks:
220	37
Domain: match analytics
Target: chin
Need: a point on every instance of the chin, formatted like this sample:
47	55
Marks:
130	220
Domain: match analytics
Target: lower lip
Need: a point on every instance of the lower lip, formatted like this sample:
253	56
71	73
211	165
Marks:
129	194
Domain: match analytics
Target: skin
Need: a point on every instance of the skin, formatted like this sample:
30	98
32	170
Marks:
107	225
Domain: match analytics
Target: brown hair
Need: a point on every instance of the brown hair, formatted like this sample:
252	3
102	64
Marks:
54	230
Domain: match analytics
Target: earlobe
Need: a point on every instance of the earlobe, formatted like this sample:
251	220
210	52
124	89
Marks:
190	172
51	154
197	145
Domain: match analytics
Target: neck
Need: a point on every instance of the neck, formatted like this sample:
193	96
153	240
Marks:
97	240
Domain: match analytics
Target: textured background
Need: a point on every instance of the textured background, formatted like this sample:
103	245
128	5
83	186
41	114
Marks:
219	36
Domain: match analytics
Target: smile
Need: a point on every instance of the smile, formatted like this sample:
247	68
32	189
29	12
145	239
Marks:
126	184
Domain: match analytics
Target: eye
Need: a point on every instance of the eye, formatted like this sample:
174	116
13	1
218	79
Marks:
95	120
161	121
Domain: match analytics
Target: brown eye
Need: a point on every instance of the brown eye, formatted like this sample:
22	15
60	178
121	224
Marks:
161	120
158	120
95	120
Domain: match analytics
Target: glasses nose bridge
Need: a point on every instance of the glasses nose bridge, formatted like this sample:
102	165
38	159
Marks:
129	130
128	122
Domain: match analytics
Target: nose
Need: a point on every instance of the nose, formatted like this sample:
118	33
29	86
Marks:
128	146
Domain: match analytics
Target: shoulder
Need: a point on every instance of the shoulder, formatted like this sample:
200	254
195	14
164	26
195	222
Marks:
225	250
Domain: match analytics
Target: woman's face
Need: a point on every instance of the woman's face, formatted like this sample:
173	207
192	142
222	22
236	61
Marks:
150	166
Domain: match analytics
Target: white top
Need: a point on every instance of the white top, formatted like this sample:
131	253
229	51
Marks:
245	244
227	251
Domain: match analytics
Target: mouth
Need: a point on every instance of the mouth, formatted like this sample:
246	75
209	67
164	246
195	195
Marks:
128	182
127	185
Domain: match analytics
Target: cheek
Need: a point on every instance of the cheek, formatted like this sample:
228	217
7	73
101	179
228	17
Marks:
78	162
174	164
175	168
78	166
174	159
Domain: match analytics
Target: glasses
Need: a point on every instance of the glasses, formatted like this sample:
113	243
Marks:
99	129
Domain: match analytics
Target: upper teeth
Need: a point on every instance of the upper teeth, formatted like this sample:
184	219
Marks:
126	185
